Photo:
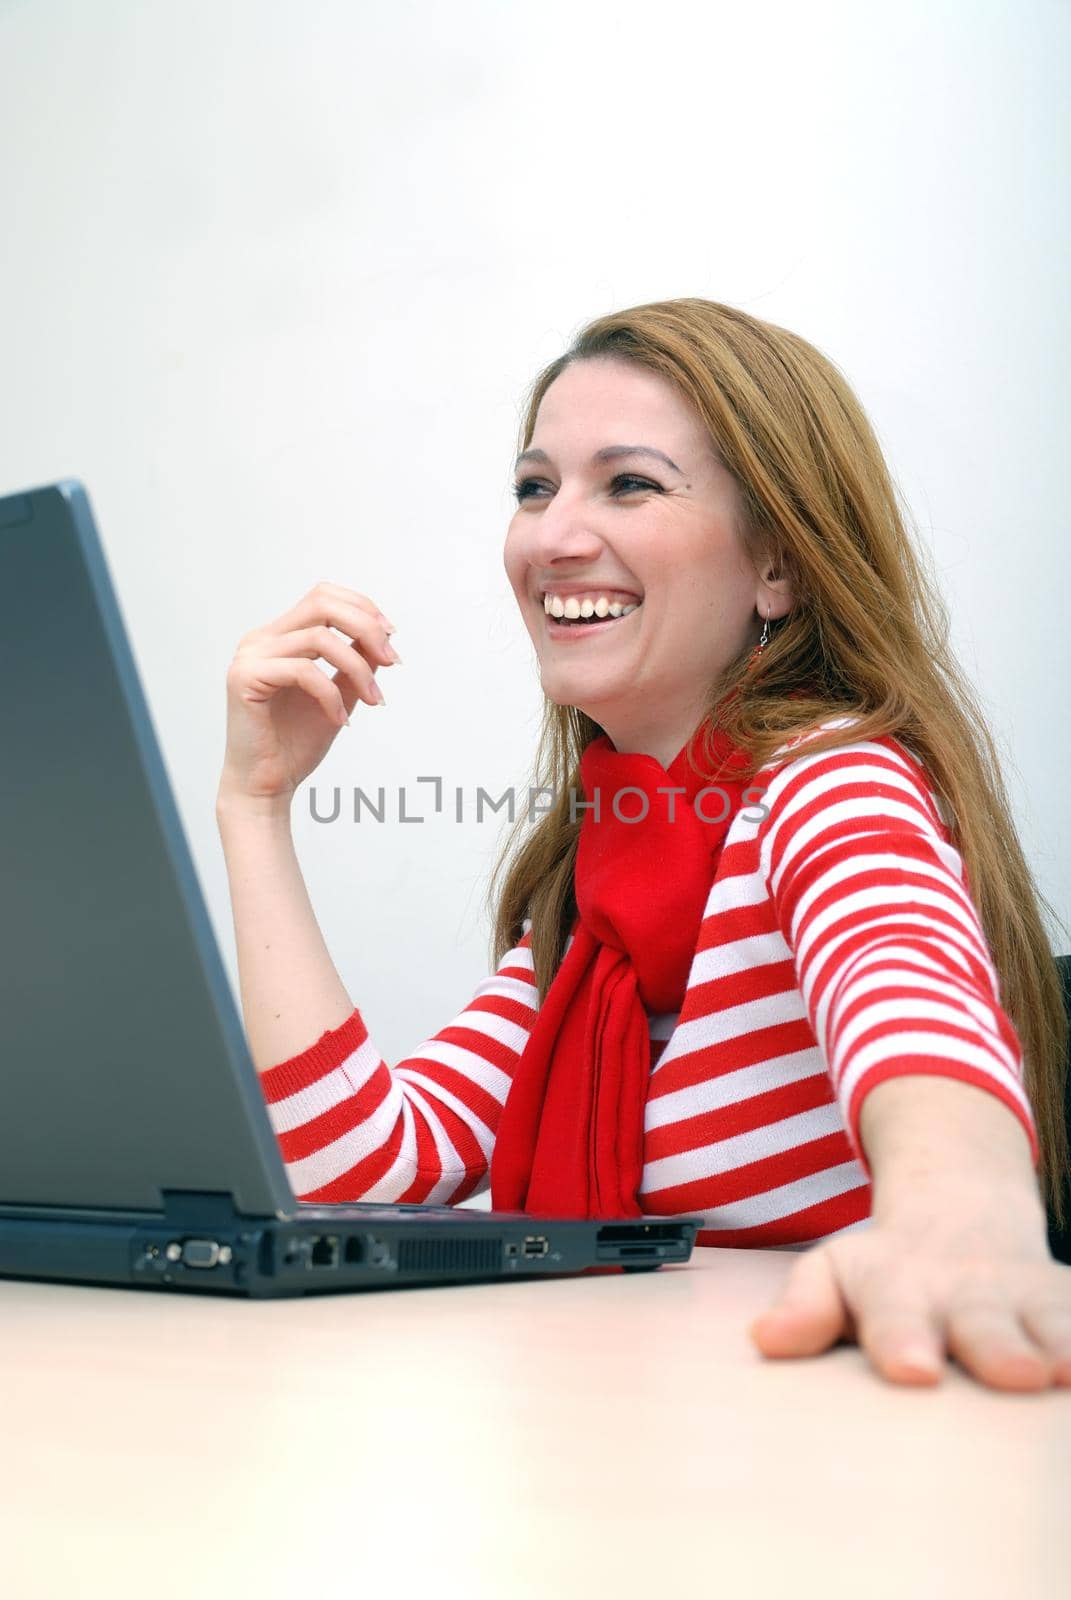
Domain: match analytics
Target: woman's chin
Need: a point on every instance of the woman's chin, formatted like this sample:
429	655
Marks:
568	689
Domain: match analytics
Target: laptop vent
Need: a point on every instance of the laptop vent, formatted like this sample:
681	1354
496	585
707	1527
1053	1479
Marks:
449	1255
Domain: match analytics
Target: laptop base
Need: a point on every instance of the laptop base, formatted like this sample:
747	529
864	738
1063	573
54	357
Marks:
202	1244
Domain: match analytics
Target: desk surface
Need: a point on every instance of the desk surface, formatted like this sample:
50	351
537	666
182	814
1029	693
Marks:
609	1436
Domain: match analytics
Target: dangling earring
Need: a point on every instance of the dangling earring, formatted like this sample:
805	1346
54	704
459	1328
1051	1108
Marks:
758	649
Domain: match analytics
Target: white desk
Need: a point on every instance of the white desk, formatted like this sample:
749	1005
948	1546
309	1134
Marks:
615	1436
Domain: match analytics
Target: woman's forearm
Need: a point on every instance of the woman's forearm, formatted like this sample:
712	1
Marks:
923	1132
290	990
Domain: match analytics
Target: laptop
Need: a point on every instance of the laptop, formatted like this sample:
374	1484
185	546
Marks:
135	1144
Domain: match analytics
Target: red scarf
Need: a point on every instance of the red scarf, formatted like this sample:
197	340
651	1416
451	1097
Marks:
570	1137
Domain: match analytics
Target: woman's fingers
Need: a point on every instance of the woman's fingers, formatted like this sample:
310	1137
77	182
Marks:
258	678
986	1336
901	1338
346	609
356	598
322	641
1046	1317
270	658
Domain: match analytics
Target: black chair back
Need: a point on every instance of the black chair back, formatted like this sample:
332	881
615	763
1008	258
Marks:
1060	1238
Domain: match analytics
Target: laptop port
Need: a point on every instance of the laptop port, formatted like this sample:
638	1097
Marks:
535	1245
324	1252
354	1250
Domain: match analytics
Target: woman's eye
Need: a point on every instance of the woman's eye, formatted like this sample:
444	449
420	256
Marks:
523	490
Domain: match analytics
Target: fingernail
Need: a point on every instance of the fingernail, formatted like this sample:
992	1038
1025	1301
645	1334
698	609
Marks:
394	656
390	627
378	693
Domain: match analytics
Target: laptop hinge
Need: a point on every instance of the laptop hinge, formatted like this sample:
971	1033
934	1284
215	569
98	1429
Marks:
193	1208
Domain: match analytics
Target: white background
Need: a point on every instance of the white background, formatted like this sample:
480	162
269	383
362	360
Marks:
274	278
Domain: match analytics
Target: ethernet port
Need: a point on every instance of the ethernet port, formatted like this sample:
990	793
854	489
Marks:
324	1252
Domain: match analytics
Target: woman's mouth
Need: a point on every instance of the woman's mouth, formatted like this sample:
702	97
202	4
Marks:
574	628
562	628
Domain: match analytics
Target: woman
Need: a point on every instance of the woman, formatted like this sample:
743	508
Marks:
773	954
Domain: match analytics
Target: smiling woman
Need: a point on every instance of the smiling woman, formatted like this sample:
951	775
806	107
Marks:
774	509
691	1005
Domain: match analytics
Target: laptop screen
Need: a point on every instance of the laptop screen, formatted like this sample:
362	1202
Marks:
124	1066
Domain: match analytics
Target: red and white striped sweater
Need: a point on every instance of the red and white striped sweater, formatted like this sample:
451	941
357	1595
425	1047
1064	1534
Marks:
839	946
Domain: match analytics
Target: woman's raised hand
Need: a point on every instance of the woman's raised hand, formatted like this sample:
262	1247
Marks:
283	710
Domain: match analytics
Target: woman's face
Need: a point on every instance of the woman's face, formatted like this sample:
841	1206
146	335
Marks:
634	528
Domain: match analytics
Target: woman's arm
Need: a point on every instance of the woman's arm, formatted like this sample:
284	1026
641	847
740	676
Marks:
289	986
283	714
890	954
922	1135
349	1126
901	992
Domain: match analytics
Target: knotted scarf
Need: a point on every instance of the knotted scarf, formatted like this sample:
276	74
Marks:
570	1136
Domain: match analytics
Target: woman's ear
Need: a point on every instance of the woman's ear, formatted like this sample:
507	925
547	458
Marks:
775	592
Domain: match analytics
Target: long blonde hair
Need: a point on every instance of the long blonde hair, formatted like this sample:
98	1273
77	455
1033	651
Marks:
867	635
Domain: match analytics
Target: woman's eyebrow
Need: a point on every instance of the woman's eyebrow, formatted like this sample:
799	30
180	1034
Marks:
612	452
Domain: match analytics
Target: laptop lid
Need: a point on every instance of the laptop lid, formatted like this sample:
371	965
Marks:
123	1061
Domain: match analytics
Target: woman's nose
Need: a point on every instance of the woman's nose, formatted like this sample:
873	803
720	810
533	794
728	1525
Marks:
562	533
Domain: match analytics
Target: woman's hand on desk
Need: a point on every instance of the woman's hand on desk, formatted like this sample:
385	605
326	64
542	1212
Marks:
965	1273
283	711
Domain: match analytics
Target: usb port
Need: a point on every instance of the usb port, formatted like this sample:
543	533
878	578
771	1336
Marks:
535	1245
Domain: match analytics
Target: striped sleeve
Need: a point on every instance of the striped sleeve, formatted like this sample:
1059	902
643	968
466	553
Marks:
890	954
352	1128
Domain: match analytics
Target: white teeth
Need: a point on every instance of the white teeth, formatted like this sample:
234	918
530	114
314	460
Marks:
574	608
